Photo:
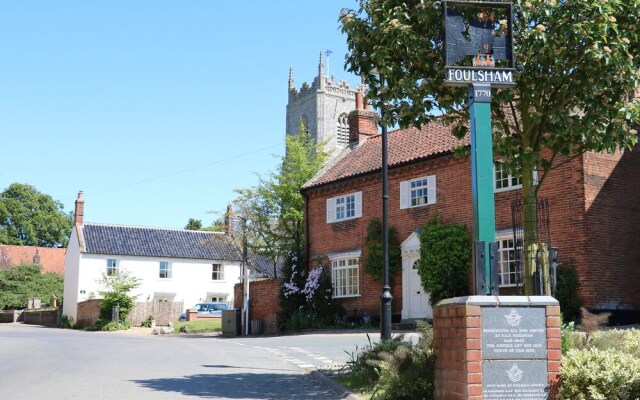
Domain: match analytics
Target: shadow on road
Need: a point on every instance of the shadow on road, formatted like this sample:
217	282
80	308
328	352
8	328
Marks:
241	386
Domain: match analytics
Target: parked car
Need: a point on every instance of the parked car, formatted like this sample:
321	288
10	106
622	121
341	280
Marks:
206	309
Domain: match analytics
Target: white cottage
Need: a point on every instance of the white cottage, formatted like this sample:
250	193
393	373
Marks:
175	267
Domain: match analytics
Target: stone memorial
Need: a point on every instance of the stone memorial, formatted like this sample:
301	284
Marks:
497	347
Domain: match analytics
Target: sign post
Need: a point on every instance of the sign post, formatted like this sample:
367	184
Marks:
479	55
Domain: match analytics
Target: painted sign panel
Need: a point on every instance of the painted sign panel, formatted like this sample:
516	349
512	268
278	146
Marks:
525	380
514	333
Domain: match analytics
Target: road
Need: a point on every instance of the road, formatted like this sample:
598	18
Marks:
49	363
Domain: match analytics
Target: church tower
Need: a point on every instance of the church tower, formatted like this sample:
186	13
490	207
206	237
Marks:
323	107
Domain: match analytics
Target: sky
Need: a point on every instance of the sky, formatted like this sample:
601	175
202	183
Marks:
156	110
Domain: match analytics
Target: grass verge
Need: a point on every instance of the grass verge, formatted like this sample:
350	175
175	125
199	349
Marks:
200	326
355	385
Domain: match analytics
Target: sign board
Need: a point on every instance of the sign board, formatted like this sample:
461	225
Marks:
514	333
509	380
478	42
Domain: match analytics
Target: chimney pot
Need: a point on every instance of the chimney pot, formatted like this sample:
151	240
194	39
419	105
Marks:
78	217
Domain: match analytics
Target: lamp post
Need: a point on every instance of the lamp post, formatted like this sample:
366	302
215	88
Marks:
385	297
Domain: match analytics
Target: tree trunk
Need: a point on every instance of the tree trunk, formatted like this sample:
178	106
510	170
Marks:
530	225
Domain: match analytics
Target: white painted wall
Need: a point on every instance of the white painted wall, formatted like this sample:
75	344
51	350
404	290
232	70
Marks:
191	279
71	267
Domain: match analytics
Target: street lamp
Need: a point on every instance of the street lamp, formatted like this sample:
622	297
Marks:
385	297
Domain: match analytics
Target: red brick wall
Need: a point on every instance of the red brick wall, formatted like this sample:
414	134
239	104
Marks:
264	301
564	187
88	312
612	203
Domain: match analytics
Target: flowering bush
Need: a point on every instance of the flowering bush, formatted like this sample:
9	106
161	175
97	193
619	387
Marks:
305	296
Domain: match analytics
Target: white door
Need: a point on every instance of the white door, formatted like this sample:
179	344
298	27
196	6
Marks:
418	297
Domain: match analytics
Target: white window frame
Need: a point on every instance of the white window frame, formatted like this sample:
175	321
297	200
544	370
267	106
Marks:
513	182
411	189
338	210
507	269
345	271
113	267
168	270
219	272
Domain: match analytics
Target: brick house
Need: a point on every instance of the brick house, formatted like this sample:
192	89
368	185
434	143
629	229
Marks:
594	201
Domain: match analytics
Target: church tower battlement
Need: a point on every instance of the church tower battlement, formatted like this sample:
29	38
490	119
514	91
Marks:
323	107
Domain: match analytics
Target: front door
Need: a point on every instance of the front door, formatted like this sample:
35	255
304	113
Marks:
418	297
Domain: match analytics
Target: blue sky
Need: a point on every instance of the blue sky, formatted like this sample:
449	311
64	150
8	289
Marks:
157	110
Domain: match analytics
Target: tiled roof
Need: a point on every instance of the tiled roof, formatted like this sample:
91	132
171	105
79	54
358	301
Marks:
404	146
51	259
158	242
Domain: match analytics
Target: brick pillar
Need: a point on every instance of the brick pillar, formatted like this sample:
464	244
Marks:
458	344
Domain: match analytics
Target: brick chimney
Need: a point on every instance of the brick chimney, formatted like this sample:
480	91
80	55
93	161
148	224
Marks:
362	122
78	217
228	222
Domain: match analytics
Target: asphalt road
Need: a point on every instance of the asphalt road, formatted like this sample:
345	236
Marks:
49	363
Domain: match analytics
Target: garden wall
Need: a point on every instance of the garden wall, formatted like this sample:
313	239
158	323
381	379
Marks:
88	312
264	302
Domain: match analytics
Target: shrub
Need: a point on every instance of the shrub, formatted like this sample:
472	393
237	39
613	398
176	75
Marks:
364	363
148	322
599	374
567	293
445	259
116	293
306	296
67	322
408	372
373	261
396	369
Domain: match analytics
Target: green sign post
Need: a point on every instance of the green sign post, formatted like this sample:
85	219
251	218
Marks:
484	215
478	54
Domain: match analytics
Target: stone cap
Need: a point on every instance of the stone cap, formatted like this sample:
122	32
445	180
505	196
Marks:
497	301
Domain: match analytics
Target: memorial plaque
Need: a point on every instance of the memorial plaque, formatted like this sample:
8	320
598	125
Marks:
526	380
514	333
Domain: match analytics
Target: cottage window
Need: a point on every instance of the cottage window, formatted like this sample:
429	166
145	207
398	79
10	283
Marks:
113	267
508	268
165	270
344	207
345	277
217	272
418	192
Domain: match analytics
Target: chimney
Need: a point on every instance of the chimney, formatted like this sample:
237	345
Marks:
78	218
362	122
228	222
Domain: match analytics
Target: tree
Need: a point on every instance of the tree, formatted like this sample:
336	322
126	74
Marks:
274	209
445	259
116	292
196	225
31	218
578	67
193	224
19	283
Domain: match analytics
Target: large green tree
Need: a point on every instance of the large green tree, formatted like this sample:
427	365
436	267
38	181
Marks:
273	211
31	218
19	283
578	69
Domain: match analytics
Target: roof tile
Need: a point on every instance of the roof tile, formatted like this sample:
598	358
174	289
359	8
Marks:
404	145
158	242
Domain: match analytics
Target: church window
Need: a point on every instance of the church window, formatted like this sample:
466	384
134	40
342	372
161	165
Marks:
343	130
